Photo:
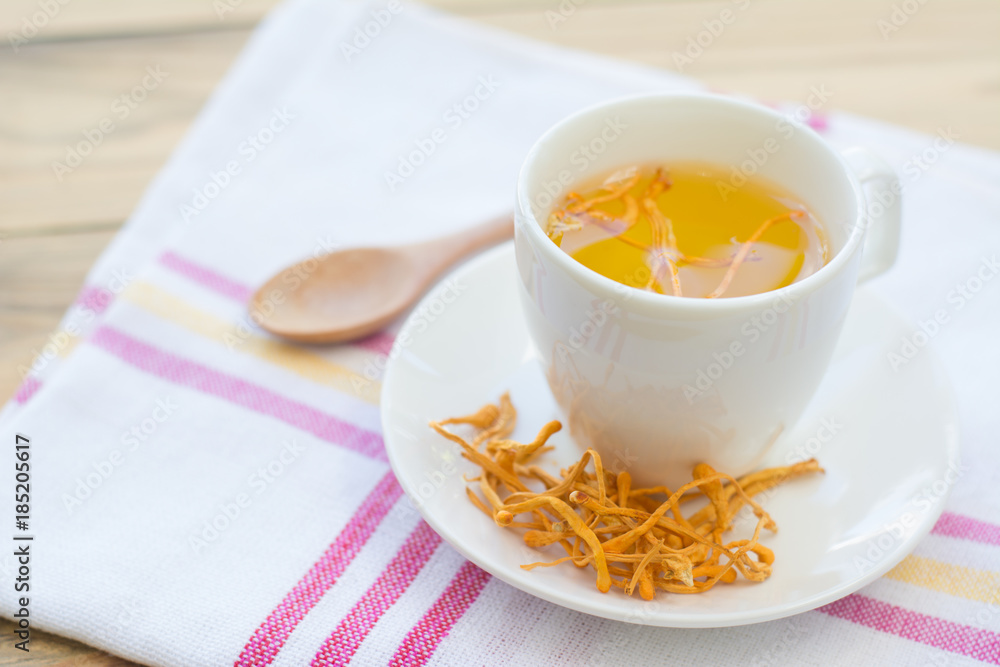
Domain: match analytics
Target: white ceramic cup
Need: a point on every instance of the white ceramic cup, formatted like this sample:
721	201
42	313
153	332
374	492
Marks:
657	383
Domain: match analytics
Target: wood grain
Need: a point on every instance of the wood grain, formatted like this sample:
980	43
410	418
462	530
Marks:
41	276
41	21
56	94
939	69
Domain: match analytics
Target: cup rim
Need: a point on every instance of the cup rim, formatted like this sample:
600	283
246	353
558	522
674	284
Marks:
526	221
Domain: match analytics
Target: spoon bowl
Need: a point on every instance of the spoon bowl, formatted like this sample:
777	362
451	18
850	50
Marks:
352	293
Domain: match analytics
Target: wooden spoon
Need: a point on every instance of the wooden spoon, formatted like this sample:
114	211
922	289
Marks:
349	294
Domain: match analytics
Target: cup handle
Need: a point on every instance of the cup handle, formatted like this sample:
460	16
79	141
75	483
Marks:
883	221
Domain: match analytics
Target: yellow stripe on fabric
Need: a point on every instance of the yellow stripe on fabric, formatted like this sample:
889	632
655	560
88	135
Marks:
301	362
68	348
957	580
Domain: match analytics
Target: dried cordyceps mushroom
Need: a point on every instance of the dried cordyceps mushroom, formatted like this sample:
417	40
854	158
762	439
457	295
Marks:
635	538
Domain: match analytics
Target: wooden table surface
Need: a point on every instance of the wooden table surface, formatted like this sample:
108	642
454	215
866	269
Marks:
936	67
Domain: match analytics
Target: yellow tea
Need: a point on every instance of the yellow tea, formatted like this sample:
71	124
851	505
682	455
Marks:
684	230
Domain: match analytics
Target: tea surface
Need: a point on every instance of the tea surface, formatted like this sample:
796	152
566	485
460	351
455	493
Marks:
685	230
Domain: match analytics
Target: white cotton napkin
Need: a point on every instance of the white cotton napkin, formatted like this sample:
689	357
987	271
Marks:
177	410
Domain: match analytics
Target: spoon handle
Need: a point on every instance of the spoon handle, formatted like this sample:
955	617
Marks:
442	252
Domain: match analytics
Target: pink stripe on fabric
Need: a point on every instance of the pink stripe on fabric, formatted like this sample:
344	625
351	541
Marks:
27	389
819	122
272	634
343	642
967	528
816	120
96	299
420	643
240	392
962	639
206	277
380	342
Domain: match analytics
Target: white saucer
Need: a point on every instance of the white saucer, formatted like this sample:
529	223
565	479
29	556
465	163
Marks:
887	467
